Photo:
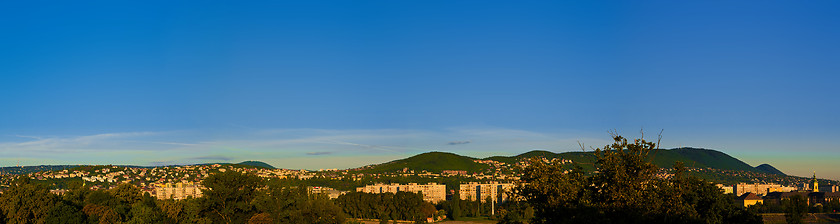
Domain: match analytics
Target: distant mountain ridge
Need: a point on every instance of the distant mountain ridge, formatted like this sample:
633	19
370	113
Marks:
691	157
39	168
701	158
257	164
439	161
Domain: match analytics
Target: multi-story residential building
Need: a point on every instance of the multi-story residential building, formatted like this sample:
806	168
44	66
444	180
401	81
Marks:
760	189
432	192
177	191
476	191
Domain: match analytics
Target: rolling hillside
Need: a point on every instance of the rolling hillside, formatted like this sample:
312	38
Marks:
702	158
691	157
432	162
767	168
727	169
257	164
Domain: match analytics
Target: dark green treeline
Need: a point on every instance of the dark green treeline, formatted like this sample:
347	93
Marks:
231	197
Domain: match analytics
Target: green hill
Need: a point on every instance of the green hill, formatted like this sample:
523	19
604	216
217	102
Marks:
691	157
256	164
514	159
432	162
767	168
701	158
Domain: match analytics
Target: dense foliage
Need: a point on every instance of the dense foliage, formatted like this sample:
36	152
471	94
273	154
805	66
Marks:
625	189
231	197
795	209
386	206
456	208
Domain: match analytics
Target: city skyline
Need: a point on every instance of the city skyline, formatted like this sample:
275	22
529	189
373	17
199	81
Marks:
342	84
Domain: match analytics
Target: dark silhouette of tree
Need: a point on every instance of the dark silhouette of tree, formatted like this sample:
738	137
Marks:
557	194
624	189
832	206
796	207
455	213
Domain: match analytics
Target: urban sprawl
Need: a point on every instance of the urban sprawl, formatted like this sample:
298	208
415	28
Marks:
182	182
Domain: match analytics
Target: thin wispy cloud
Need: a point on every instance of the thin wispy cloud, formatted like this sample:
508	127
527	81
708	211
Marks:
215	157
28	136
369	146
287	147
112	141
459	142
318	153
177	143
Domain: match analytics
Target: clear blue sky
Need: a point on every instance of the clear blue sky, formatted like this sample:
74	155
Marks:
338	84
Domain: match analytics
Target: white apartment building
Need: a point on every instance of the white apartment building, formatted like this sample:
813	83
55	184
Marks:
476	191
432	192
177	191
760	189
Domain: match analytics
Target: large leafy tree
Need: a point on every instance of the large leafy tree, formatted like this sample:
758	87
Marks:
76	194
624	189
796	207
147	211
127	193
122	199
400	206
557	194
187	211
283	203
101	214
228	196
65	212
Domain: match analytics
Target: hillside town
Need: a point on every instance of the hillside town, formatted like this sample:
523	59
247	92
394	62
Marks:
182	182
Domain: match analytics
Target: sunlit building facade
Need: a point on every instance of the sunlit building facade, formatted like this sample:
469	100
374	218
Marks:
432	192
177	191
477	191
